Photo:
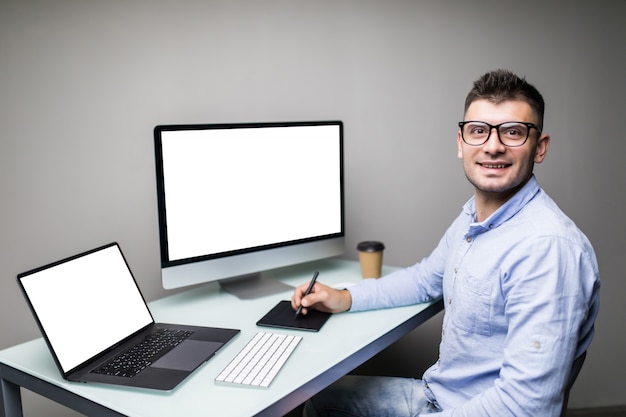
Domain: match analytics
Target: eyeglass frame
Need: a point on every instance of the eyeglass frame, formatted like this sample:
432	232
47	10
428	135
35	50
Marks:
497	127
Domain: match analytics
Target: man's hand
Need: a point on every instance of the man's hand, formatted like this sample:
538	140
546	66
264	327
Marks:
322	298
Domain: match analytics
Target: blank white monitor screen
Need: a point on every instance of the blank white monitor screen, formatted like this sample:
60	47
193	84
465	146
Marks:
226	190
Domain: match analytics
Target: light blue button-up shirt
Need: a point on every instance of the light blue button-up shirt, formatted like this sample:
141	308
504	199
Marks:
520	291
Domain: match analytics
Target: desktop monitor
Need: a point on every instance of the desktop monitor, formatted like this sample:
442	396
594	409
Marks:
238	200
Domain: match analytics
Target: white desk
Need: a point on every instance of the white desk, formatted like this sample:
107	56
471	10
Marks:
346	341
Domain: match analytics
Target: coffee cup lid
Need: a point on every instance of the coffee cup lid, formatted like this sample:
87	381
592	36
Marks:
370	246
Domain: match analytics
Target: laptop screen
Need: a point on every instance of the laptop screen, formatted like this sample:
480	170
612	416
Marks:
86	304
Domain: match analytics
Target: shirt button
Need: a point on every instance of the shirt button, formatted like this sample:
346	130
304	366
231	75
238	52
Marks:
536	344
449	300
469	239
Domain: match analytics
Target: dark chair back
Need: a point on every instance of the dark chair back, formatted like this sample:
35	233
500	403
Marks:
578	364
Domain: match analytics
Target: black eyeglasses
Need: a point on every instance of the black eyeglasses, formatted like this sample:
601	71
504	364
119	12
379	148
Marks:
511	134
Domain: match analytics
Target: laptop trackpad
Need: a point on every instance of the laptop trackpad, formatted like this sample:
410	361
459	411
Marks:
188	355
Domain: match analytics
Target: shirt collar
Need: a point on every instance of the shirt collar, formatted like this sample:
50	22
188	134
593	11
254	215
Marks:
502	214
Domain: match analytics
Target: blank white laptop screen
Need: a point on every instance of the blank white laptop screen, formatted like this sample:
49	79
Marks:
87	304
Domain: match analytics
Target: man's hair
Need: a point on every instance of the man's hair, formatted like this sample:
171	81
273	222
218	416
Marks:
502	85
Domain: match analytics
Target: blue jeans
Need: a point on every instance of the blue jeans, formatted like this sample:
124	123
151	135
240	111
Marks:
370	396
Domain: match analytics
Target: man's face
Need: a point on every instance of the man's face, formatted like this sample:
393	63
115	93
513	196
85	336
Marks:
495	170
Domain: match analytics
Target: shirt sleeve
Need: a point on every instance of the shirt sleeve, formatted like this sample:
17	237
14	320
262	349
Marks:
419	283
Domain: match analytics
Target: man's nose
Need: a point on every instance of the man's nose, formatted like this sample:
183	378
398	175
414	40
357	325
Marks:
493	143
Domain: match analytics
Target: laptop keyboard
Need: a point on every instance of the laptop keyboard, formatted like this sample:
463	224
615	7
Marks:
259	361
135	359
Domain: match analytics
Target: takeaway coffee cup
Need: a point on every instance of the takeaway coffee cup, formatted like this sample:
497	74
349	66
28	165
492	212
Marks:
371	258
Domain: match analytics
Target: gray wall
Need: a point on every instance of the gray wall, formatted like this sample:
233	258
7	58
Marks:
82	84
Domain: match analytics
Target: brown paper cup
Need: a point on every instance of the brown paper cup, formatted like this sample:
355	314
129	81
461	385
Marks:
371	258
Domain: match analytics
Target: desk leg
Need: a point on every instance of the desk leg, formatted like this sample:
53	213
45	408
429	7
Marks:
13	380
10	399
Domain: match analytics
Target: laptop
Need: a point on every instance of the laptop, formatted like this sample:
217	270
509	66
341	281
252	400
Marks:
90	310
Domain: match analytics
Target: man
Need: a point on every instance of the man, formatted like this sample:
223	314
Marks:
519	281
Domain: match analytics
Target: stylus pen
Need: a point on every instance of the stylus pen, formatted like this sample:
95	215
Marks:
307	292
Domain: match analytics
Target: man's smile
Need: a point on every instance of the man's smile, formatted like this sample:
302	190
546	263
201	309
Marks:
493	166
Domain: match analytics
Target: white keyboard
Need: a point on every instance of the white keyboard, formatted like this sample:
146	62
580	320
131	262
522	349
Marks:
259	361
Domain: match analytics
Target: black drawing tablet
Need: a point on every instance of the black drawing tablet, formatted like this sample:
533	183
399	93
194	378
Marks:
284	317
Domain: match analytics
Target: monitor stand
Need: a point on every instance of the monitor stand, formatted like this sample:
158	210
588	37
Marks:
249	287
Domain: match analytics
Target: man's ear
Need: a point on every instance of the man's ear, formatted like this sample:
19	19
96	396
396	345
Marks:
542	148
459	144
